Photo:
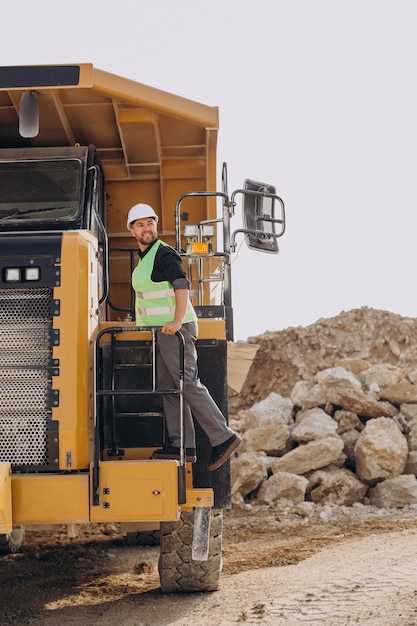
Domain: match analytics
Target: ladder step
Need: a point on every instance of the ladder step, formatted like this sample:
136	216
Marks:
138	392
125	366
144	414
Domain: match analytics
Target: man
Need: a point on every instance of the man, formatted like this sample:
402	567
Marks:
163	301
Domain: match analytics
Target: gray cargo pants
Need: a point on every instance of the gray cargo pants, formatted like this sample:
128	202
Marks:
197	396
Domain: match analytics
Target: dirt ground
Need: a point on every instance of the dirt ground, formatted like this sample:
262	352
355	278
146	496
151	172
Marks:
278	569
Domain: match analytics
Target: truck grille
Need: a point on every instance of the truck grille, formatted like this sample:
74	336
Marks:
25	382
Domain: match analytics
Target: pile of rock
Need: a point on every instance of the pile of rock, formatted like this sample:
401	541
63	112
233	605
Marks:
286	356
347	435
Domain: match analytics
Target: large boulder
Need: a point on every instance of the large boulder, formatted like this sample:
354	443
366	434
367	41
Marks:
381	451
307	396
273	439
395	492
310	456
347	420
336	486
338	377
313	424
401	393
272	410
360	403
247	471
283	486
381	375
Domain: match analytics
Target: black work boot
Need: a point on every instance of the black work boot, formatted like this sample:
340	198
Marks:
221	453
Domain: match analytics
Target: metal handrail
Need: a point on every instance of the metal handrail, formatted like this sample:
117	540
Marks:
113	331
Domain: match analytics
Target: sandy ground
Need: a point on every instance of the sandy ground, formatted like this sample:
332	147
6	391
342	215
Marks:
277	570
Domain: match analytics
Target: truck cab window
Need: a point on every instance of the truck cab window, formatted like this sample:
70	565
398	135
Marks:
46	191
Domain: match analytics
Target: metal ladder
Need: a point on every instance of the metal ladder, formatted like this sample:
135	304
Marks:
109	394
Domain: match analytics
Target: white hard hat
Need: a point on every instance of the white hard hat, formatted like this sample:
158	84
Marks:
140	211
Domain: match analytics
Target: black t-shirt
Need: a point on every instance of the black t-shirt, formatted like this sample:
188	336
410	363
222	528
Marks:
167	266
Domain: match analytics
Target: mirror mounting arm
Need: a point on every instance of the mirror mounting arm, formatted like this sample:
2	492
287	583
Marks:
259	234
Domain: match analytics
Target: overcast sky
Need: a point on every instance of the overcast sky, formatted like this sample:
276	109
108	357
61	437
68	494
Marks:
318	97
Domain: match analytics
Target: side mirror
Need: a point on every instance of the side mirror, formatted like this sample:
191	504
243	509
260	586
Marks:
259	218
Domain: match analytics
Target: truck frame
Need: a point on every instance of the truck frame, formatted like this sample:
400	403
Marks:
80	413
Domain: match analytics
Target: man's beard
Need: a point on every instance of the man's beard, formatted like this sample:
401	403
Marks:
146	238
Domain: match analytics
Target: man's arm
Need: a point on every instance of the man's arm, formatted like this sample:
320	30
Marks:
181	302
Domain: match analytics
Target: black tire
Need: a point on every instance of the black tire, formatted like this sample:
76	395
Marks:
143	538
13	541
177	570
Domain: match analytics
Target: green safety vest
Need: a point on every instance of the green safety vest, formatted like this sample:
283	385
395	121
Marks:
155	302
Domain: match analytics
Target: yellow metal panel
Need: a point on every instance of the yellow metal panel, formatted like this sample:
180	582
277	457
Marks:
5	499
137	491
50	498
130	454
211	329
207	329
77	324
177	168
149	97
122	195
86	75
132	115
198	498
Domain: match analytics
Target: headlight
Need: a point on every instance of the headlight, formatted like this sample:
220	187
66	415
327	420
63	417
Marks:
21	274
12	275
190	230
32	273
207	230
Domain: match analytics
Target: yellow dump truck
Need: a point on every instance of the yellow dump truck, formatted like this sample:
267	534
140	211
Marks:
80	413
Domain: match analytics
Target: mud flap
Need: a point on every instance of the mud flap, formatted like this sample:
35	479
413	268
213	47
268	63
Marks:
201	534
